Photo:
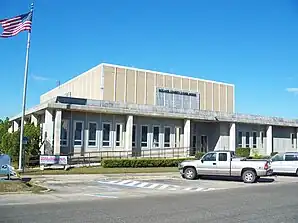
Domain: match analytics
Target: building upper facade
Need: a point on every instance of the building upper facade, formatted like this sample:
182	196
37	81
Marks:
137	86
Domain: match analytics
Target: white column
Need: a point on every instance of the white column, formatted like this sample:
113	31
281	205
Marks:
186	136
34	119
297	139
232	137
47	132
57	134
269	140
15	125
128	133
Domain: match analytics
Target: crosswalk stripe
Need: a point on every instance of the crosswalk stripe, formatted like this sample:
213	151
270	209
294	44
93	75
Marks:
209	189
172	188
124	182
113	181
164	186
189	188
148	185
199	189
153	186
133	183
142	184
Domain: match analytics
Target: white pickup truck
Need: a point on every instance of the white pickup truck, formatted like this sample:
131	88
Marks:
224	163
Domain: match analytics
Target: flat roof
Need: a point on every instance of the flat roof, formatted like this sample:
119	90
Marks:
111	107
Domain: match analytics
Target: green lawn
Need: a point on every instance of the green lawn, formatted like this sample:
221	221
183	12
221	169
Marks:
18	186
100	170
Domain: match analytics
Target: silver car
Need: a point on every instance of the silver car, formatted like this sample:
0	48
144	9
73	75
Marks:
286	163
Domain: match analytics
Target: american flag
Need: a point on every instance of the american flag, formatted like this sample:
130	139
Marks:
15	25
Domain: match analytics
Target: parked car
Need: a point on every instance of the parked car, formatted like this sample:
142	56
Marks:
225	163
286	163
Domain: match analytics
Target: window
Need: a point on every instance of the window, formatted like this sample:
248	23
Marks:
106	130
210	157
291	157
78	133
254	139
119	134
155	136
64	133
144	132
133	135
177	98
222	157
293	140
92	134
277	157
239	139
262	139
204	143
177	136
194	142
167	137
247	140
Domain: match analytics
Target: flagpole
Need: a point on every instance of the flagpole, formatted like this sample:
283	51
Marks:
24	96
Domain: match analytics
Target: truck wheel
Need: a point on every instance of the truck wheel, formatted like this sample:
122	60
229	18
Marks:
190	173
249	176
297	172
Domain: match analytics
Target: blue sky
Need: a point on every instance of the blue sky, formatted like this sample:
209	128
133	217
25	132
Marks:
253	44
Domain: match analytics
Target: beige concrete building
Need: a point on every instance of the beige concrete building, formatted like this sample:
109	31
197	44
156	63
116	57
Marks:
116	109
137	86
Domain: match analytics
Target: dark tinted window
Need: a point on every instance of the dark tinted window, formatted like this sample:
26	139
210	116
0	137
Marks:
222	157
290	157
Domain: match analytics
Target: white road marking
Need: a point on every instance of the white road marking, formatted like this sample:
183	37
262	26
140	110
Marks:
133	183
124	182
164	187
153	186
148	185
101	195
189	188
199	189
142	184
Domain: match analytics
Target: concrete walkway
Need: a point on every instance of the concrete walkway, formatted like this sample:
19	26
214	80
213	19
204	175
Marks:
92	177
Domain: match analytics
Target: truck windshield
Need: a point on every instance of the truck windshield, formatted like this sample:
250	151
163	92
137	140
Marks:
210	157
277	157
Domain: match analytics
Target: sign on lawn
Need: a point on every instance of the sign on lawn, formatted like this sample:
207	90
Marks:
62	160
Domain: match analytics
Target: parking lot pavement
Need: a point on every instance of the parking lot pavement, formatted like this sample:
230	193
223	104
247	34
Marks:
112	187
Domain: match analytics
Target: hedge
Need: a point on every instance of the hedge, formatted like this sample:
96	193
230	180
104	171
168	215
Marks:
199	155
242	152
142	162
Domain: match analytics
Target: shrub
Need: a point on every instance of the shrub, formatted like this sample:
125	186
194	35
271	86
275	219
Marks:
243	152
142	162
199	155
273	153
260	157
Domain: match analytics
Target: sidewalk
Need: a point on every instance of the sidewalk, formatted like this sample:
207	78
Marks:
91	177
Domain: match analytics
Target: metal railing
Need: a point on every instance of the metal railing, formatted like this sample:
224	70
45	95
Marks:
95	157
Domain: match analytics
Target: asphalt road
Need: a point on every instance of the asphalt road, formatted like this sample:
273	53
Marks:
274	203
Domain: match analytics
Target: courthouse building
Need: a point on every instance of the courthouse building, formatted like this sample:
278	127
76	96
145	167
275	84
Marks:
117	108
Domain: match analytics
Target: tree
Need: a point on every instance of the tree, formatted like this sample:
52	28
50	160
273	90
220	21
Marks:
10	142
4	126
